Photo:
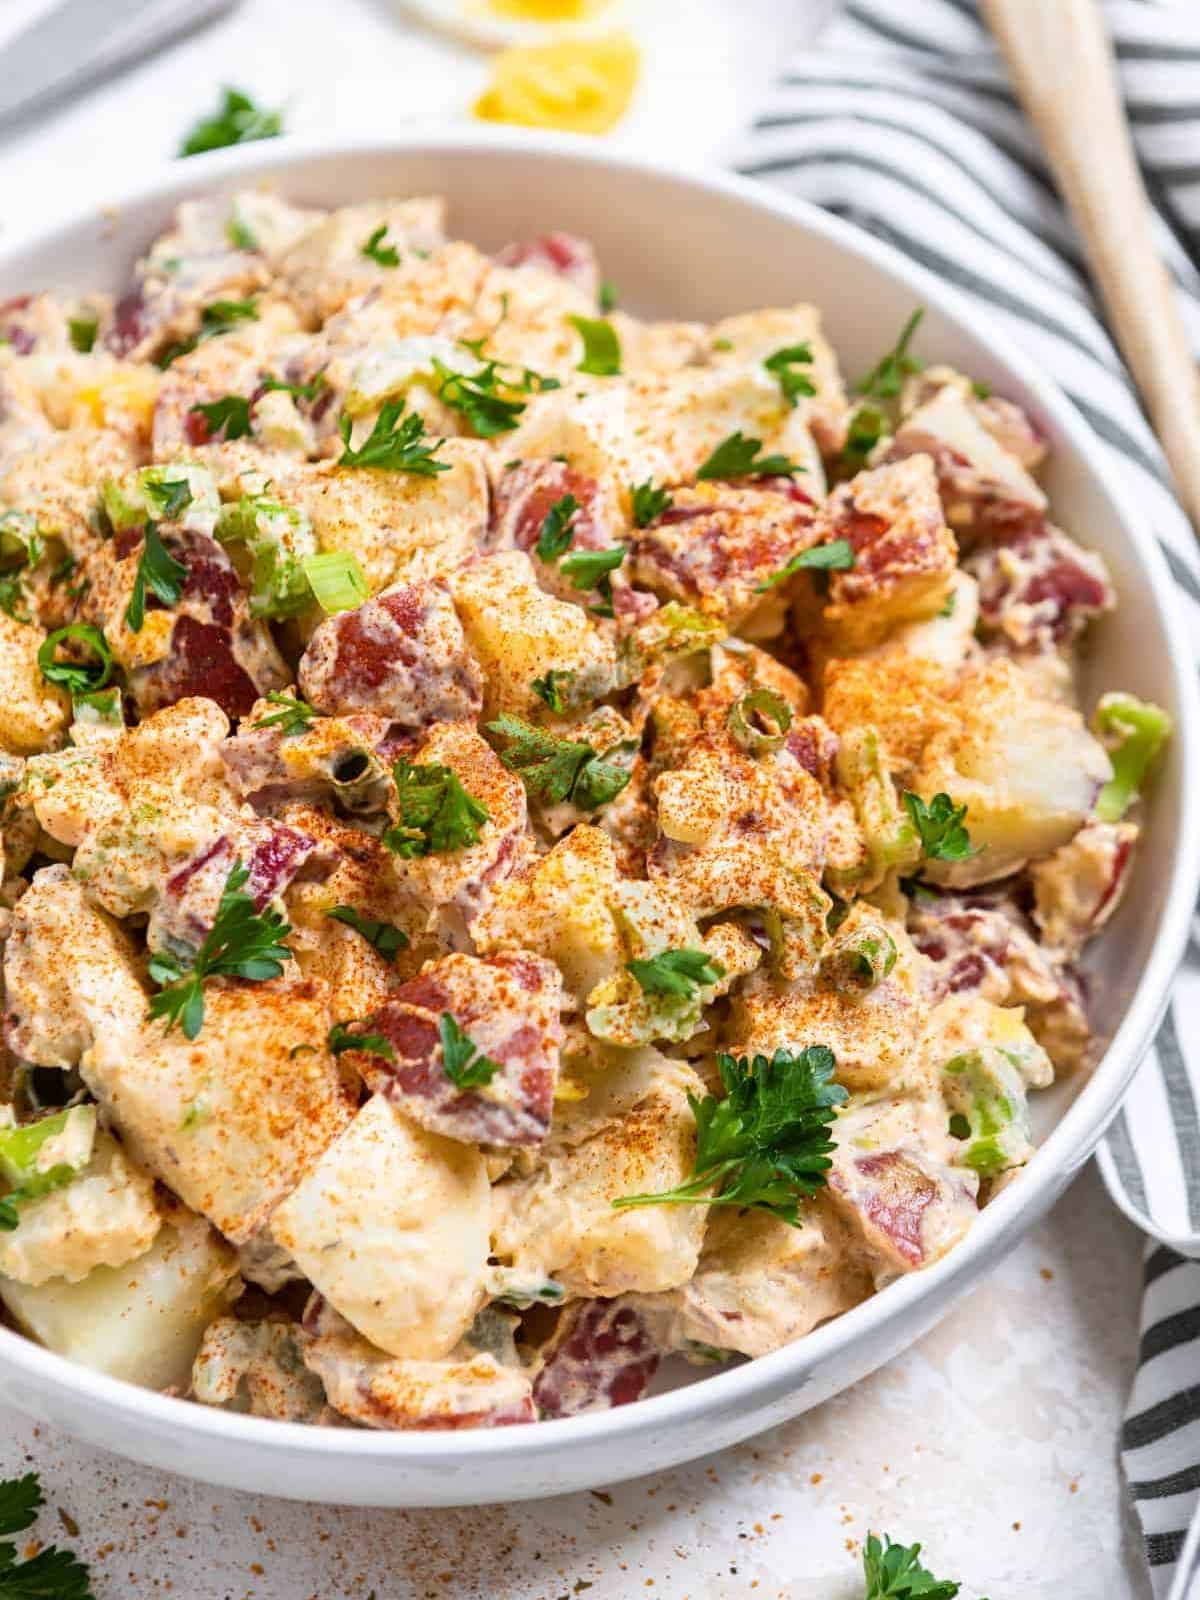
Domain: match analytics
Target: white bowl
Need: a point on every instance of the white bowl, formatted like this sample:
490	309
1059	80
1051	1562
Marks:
692	246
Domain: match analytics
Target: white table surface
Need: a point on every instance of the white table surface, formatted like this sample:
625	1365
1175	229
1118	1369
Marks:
993	1441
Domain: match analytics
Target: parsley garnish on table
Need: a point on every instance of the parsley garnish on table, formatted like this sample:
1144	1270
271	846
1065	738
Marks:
396	443
237	120
51	1574
836	556
466	1065
158	571
384	936
738	457
242	943
939	827
554	769
766	1142
886	377
434	813
676	972
894	1572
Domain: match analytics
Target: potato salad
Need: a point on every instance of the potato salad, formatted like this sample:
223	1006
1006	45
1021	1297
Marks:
537	843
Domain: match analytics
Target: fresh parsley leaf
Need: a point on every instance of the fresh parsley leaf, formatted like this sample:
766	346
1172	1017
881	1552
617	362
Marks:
894	1572
887	376
478	397
158	571
766	1142
601	347
981	390
557	529
784	364
553	688
166	499
299	391
396	443
237	120
229	416
82	332
836	556
222	316
608	296
384	255
554	769
680	972
342	1037
385	936
242	943
51	1574
948	604
738	457
239	235
466	1065
867	426
587	569
80	677
20	1501
434	812
649	502
940	827
294	716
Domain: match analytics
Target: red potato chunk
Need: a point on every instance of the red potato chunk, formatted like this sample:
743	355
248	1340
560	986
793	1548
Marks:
716	544
271	853
508	1006
1040	590
565	255
904	554
469	1389
522	498
984	944
1077	889
985	490
907	1205
402	655
602	1355
214	648
343	758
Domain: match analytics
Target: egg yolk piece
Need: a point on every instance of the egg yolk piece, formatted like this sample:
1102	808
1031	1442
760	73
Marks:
546	10
576	85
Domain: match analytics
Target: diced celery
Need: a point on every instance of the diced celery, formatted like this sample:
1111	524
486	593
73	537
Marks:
1133	732
278	539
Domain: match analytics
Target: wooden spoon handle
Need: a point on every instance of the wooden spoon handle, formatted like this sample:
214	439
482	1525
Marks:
1064	72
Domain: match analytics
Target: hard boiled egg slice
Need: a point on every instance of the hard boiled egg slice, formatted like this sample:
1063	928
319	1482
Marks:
579	85
495	24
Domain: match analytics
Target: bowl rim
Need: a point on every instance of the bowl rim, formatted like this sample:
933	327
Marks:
1075	1136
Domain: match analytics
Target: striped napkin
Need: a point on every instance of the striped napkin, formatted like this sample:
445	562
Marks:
899	116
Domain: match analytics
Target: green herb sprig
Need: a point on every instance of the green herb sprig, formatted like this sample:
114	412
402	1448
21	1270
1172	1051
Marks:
766	1142
554	769
466	1065
396	443
434	813
242	943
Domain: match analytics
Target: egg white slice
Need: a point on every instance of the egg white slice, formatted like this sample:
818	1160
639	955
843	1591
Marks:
475	22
